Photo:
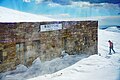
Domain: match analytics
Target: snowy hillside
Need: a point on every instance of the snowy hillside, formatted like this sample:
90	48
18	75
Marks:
9	15
113	29
104	36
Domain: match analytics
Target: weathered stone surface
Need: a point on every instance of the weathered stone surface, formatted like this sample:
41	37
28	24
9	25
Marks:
23	42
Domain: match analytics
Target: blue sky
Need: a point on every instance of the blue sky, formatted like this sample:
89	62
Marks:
66	8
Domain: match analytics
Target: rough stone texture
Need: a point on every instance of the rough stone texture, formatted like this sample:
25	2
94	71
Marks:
23	42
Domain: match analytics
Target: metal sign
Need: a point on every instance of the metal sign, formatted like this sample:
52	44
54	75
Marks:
50	27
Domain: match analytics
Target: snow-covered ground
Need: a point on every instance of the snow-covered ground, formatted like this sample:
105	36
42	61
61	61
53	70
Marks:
40	68
9	15
93	68
113	29
104	36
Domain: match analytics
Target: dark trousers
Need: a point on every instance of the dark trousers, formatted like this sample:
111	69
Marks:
111	48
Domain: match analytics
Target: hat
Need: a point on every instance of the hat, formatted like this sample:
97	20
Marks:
109	41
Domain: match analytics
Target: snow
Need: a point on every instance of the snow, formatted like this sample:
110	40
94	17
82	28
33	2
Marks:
70	67
113	29
95	67
9	15
20	69
40	68
35	69
103	37
63	54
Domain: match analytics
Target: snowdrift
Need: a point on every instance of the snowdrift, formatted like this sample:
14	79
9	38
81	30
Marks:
39	68
92	68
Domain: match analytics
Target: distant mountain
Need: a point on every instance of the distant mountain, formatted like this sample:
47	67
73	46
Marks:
108	26
118	27
103	27
113	28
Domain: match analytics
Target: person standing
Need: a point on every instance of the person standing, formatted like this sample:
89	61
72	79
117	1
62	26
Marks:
111	47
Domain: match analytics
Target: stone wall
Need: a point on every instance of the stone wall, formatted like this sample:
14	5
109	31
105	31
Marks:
23	42
7	46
